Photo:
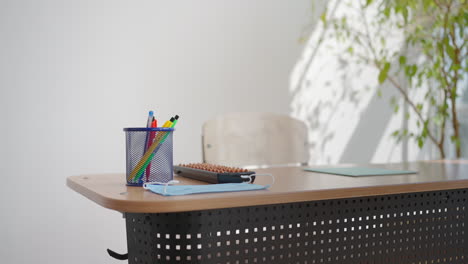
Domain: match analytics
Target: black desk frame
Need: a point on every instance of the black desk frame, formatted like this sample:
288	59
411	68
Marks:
422	227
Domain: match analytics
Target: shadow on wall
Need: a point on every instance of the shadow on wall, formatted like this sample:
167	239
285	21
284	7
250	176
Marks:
348	121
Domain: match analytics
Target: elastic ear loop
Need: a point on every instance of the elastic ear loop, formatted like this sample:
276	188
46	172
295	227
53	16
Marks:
263	174
145	185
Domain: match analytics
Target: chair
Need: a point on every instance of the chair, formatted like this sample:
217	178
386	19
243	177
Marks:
255	140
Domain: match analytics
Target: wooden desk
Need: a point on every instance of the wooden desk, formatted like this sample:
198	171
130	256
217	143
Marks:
305	217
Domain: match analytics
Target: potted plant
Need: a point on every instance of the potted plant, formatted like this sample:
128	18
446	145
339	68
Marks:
428	64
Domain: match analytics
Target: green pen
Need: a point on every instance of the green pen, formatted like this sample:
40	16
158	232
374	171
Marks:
142	169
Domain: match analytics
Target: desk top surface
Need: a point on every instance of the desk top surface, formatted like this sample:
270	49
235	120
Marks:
293	184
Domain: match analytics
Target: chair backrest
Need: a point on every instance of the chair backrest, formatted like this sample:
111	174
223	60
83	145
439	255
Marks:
255	140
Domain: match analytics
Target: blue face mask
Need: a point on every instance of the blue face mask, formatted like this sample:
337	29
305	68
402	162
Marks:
168	190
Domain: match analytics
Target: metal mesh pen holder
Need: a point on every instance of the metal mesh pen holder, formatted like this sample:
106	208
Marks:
148	155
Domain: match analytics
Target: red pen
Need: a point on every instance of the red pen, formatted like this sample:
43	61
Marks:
150	141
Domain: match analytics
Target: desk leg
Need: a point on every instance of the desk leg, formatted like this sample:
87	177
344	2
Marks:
427	227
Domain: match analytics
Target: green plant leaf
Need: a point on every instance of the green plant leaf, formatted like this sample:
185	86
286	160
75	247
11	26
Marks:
450	51
386	12
419	107
427	4
420	142
455	140
454	92
410	70
424	132
323	17
405	132
384	72
402	60
455	67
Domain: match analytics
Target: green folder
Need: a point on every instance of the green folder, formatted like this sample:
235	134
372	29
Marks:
359	171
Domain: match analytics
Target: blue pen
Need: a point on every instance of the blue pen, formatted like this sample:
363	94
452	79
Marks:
148	125
150	118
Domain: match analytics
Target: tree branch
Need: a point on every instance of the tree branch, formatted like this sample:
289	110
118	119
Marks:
412	105
453	96
442	131
394	82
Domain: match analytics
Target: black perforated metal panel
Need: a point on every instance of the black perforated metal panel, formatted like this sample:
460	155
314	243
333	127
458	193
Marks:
428	227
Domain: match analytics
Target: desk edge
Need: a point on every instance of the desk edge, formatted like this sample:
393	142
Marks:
172	206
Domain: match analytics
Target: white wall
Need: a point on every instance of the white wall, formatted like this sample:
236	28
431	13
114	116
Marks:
74	73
